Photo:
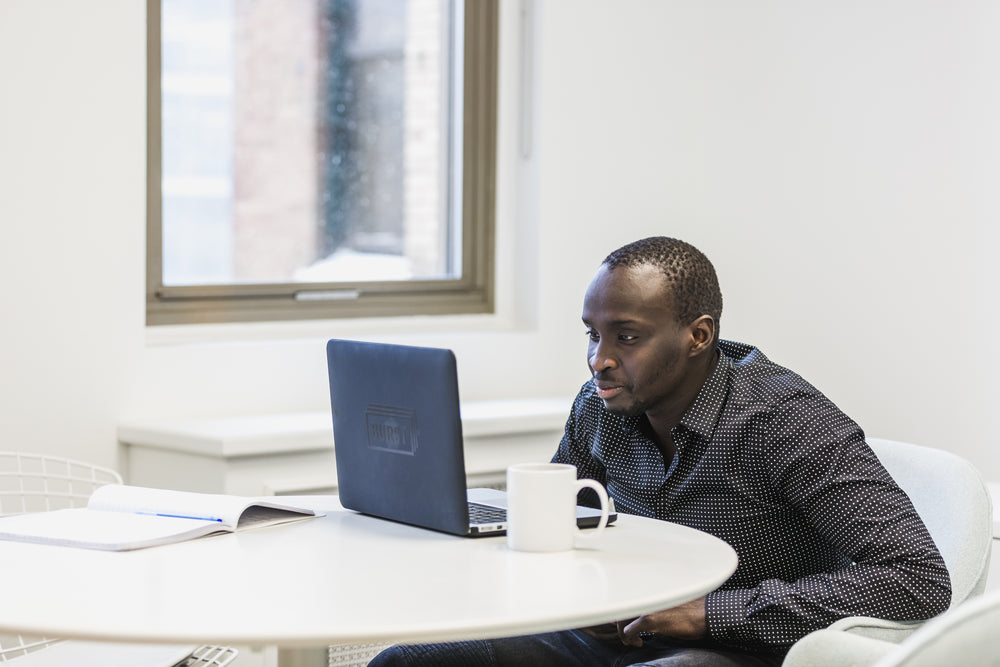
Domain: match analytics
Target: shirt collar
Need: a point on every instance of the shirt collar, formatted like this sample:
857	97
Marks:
704	412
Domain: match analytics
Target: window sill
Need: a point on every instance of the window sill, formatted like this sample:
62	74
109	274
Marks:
255	435
293	453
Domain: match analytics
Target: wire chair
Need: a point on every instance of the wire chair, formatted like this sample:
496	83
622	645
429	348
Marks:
39	483
212	655
353	655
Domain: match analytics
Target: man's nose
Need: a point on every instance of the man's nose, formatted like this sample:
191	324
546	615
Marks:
600	360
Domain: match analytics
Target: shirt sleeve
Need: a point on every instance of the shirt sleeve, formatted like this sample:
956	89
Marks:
828	474
579	449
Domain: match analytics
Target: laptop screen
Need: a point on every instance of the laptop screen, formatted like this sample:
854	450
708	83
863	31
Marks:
398	433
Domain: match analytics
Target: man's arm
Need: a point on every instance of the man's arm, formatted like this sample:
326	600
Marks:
837	484
686	621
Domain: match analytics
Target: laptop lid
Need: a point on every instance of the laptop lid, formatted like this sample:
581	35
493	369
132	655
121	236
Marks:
398	433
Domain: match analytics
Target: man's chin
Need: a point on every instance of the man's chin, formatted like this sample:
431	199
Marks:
623	410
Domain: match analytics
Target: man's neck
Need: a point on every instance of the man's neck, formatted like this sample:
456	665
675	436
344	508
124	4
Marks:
663	422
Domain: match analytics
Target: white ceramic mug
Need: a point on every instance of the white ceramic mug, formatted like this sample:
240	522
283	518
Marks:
541	506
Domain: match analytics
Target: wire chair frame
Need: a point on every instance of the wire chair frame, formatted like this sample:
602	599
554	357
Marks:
212	655
14	646
41	483
38	483
353	655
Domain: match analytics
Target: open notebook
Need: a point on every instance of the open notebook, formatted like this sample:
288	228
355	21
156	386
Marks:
119	517
103	654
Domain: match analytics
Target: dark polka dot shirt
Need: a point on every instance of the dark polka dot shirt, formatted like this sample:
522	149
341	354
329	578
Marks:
767	463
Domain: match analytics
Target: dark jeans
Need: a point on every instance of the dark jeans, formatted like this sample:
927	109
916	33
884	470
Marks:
571	648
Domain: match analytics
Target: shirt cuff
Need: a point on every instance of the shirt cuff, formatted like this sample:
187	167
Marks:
726	616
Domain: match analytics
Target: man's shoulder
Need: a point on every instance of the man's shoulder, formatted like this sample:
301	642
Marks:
774	401
748	361
755	376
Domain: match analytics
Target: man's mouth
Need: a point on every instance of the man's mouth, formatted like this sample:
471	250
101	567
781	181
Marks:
607	390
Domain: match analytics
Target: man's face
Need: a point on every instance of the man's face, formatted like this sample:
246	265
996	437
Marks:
637	351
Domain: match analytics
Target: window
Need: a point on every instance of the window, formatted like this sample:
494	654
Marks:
320	158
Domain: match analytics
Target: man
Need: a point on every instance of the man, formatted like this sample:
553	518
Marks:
682	426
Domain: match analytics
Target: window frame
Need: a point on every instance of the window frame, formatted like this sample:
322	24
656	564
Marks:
472	292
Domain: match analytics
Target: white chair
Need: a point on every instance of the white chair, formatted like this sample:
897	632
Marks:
964	635
36	483
954	503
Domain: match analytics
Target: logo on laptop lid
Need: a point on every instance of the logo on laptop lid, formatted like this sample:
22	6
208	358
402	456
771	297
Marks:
392	429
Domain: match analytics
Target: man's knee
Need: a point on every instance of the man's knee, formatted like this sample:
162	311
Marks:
456	654
699	657
394	656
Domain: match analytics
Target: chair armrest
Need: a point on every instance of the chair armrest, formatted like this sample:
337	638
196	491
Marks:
876	628
836	648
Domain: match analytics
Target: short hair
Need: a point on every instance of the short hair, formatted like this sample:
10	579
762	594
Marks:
692	277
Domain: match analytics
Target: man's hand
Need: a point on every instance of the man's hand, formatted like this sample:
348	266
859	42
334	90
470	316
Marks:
686	621
605	632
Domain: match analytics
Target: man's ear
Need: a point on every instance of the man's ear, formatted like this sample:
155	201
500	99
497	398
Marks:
702	335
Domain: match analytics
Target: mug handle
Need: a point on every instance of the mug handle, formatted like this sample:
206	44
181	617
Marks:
586	483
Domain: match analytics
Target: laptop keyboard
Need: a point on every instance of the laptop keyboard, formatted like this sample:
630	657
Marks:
486	514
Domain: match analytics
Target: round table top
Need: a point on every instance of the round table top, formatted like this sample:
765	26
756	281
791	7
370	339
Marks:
348	578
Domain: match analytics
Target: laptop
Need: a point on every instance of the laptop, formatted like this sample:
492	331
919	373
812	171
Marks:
398	440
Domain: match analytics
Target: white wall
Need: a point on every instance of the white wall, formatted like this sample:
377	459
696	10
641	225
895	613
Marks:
72	166
837	161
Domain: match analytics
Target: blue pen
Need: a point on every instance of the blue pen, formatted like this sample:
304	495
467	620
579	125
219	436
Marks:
181	516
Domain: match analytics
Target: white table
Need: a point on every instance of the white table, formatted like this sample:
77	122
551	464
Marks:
347	578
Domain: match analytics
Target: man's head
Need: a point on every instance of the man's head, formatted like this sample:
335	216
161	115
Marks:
691	276
652	313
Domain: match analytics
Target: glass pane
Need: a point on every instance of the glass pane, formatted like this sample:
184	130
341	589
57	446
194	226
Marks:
308	141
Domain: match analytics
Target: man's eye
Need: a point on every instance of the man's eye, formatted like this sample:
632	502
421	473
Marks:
626	338
593	335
